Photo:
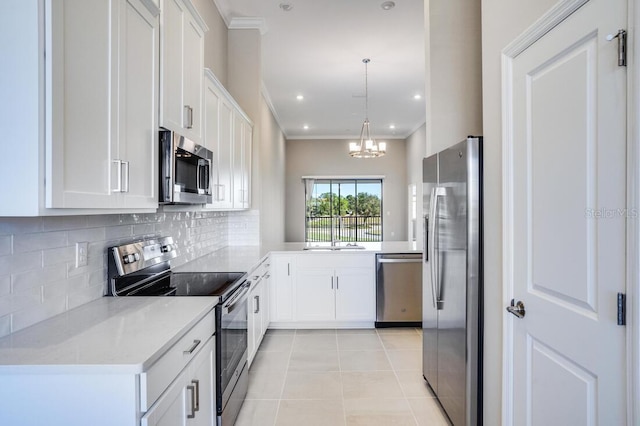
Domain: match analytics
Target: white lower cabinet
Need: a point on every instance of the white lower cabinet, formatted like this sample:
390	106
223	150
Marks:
315	295
281	301
178	388
258	308
340	294
190	399
355	294
323	289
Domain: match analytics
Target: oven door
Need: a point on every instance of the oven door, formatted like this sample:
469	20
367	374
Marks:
232	347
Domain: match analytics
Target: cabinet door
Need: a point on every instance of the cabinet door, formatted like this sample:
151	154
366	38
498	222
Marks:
138	103
314	291
265	301
253	321
189	400
211	129
201	387
171	52
238	159
193	63
355	294
211	120
247	138
171	408
79	135
225	157
281	300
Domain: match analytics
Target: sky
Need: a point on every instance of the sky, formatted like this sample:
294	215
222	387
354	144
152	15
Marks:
348	188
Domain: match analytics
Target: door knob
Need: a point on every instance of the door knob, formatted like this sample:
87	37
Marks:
516	309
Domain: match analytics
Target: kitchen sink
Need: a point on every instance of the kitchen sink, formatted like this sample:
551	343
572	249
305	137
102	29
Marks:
344	247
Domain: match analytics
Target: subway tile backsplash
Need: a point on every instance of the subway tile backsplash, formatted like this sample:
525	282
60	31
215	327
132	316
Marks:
38	275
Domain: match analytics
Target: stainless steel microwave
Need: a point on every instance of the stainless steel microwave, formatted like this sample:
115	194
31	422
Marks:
185	170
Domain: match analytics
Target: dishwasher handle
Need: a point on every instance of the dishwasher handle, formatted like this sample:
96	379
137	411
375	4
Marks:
406	260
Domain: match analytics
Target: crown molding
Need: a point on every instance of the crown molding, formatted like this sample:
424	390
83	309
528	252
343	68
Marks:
221	5
249	24
269	102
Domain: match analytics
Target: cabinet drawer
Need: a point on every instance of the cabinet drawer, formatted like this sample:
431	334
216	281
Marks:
261	269
162	373
334	260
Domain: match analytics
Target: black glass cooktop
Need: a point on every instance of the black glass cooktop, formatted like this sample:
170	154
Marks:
190	284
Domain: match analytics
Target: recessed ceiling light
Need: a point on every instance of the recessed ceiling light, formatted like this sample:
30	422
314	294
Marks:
299	97
417	96
392	126
388	5
286	6
306	127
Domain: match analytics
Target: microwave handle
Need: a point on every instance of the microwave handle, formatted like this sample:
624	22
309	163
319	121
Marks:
203	180
207	188
199	178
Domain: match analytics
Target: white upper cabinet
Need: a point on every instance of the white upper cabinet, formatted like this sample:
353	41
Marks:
242	136
182	61
138	102
228	133
86	122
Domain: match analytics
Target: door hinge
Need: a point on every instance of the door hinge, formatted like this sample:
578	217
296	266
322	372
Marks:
622	309
622	46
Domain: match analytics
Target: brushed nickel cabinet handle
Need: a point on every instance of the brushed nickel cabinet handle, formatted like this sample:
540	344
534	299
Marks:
188	111
193	401
196	406
193	347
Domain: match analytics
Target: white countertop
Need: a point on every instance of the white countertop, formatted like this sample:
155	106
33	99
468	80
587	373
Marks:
127	335
245	258
109	335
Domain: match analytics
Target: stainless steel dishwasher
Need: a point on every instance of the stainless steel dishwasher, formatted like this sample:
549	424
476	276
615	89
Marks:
399	290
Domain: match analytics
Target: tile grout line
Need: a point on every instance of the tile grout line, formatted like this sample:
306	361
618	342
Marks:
344	408
395	374
286	373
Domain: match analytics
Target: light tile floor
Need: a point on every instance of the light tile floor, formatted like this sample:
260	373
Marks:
339	377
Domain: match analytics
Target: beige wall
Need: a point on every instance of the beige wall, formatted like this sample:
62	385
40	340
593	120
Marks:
416	151
244	68
215	40
269	190
331	158
502	21
453	72
268	156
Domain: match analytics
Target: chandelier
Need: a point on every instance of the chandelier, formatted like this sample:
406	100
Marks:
368	147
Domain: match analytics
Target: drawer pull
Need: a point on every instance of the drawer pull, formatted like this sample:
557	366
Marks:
193	347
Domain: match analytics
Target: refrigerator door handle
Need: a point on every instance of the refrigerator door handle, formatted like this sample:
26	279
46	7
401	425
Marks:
425	238
435	258
432	236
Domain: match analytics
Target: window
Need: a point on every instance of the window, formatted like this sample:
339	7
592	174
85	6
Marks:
343	210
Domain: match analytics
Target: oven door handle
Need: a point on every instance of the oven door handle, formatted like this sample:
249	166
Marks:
236	300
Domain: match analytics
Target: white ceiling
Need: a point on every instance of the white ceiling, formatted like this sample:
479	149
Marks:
316	50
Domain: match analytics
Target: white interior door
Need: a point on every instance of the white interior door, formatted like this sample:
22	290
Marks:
565	222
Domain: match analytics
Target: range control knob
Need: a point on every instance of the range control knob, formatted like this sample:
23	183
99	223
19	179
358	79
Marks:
129	258
166	249
136	256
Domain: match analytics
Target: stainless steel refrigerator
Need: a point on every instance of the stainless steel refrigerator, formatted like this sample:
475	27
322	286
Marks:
452	280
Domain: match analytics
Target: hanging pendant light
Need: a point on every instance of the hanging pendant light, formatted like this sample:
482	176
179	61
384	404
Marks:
368	147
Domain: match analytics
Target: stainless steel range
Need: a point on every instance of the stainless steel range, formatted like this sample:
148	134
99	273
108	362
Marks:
143	268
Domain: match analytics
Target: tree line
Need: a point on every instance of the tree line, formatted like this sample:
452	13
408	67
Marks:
328	204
